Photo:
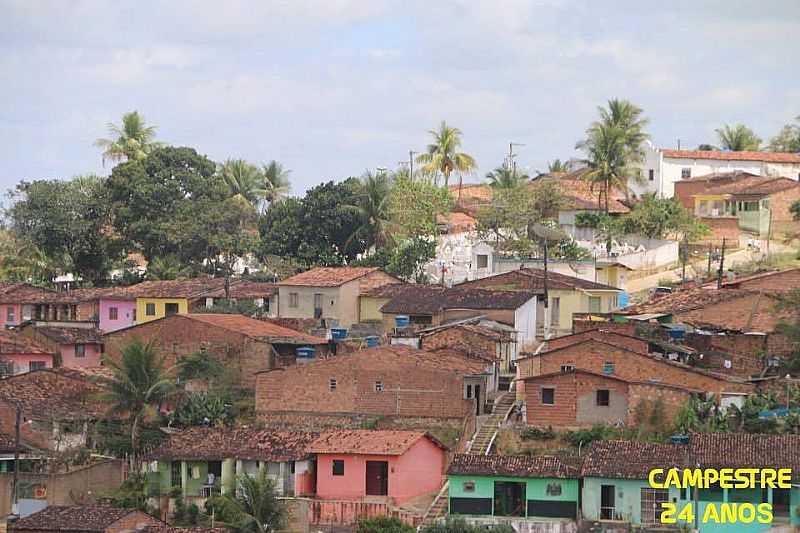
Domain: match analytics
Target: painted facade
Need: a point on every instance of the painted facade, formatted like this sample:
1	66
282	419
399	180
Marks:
148	308
116	314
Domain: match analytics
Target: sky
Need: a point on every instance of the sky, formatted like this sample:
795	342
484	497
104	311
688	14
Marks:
331	88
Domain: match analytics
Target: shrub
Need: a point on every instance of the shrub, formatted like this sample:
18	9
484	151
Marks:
383	524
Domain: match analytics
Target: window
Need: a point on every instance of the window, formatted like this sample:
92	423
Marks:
379	386
36	365
338	467
293	297
548	396
553	489
332	384
608	367
594	304
567	368
602	397
469	391
318	305
555	310
113	313
10	314
651	174
80	350
150	309
686	173
483	261
171	309
469	486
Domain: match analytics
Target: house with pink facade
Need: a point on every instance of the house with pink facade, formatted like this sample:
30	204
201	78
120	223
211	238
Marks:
75	344
110	308
20	354
384	465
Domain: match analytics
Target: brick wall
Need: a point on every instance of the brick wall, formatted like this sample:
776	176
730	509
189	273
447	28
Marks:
626	328
685	189
569	388
634	344
780	281
643	396
178	336
592	355
461	339
721	227
780	203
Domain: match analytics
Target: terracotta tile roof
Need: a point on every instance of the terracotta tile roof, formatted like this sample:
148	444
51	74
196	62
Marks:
327	276
720	177
12	342
425	299
389	291
110	293
458	222
368	442
23	293
626	459
88	518
532	279
64	335
216	444
768	157
513	466
576	371
462	352
58	392
750	186
746	450
189	288
684	300
165	528
472	192
252	327
777	280
246	289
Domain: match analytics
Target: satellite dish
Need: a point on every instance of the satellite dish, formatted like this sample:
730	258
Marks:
548	233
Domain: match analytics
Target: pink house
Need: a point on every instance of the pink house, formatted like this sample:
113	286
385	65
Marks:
392	465
114	314
76	344
20	354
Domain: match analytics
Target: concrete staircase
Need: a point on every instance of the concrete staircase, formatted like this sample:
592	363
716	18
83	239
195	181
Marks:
439	507
482	444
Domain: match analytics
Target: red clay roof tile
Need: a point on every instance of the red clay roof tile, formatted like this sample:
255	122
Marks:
768	157
327	276
368	442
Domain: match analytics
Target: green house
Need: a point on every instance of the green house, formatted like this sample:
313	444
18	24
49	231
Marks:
544	488
616	487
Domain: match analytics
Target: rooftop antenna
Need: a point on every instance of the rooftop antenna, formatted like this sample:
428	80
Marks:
512	165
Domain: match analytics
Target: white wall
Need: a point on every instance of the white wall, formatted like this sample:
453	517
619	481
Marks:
525	322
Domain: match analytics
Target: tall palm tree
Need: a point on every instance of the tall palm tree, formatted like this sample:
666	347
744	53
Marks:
558	165
503	178
442	155
243	180
139	384
373	208
131	141
738	138
276	182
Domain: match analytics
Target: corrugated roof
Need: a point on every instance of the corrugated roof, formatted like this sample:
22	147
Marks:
514	466
327	276
368	442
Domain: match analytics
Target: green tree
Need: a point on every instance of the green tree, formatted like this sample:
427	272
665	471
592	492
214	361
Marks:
146	195
442	156
415	206
276	182
255	507
129	142
383	524
788	139
658	218
166	268
23	261
705	147
503	178
243	180
138	386
456	524
557	165
68	222
738	138
372	207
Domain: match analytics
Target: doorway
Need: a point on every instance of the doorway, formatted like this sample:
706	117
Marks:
509	498
607	493
171	309
478	404
377	478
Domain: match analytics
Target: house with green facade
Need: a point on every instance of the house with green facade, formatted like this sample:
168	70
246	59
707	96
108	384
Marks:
498	488
202	461
617	491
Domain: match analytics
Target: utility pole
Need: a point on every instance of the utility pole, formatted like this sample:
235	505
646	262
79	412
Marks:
721	265
684	257
15	482
512	165
546	297
411	164
708	270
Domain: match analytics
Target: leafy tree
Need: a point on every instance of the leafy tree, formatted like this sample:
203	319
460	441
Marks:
372	207
738	138
442	155
23	261
276	182
139	384
243	180
146	195
503	178
788	139
656	218
203	409
67	221
131	141
707	148
557	165
415	207
166	268
547	198
254	508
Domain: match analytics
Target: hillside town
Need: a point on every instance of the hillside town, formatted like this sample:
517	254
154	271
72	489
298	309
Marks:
441	345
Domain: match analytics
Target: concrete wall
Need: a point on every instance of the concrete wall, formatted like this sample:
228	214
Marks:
92	356
161	306
126	314
22	362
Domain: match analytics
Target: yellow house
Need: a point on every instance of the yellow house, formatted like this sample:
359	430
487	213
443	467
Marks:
157	299
567	295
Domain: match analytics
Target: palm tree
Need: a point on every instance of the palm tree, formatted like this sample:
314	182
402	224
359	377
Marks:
607	157
503	178
276	180
254	506
738	138
558	165
373	209
139	384
788	139
165	268
130	142
243	180
442	155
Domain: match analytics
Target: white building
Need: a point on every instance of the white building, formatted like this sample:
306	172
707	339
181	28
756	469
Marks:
663	167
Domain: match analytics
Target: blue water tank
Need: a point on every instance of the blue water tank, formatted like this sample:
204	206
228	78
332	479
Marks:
402	321
372	341
306	352
338	334
623	300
